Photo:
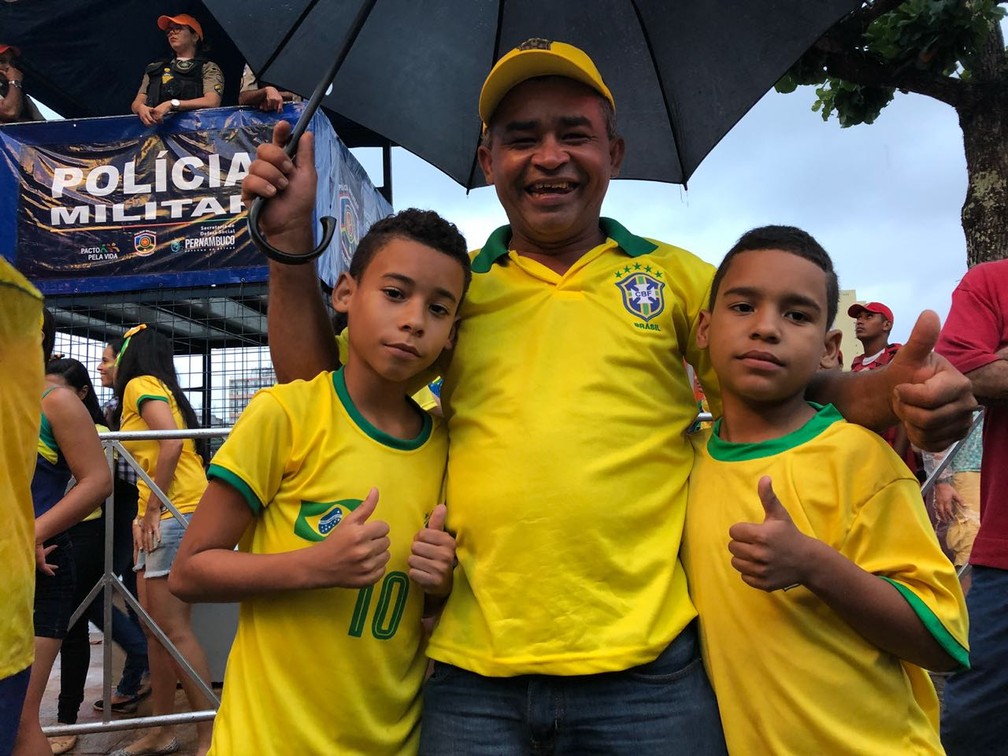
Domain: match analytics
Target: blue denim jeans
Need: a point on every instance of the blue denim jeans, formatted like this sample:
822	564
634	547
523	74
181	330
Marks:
975	720
664	706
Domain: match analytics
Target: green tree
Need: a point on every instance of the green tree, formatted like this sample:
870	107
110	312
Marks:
951	50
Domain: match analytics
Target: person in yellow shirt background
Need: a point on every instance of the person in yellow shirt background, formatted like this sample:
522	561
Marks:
21	375
150	398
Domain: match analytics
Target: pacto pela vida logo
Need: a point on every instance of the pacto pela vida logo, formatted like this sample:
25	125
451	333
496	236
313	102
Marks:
106	251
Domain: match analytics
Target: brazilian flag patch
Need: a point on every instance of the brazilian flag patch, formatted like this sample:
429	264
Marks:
316	519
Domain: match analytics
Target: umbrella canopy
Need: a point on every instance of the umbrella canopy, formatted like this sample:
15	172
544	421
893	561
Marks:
682	73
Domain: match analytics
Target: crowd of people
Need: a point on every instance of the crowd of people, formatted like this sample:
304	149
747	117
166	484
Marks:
599	579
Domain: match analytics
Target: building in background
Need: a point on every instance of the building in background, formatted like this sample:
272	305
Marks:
241	390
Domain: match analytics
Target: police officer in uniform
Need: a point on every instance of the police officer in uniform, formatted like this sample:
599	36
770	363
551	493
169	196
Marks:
186	81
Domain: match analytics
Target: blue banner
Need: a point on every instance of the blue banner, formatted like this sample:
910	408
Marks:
107	204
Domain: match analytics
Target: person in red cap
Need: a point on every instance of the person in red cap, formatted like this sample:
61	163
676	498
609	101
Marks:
873	324
15	105
186	81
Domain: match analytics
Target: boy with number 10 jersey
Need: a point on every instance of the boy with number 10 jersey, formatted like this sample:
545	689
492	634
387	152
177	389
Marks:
330	490
358	650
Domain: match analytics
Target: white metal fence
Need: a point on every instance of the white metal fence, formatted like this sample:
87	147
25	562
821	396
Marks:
110	584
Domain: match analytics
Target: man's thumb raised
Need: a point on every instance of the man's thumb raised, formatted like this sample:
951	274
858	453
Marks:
923	338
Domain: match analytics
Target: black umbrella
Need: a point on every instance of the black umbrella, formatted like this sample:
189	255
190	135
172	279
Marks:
682	72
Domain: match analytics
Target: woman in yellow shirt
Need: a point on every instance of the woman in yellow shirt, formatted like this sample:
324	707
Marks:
150	398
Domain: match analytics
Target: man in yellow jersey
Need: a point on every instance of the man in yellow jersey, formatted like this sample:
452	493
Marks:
569	628
21	377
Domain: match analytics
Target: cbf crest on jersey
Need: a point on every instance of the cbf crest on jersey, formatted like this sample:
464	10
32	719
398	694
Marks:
316	519
643	292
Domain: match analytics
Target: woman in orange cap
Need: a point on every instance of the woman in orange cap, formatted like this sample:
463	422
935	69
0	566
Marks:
186	81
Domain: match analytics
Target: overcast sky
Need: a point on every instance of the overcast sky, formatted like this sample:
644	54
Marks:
884	199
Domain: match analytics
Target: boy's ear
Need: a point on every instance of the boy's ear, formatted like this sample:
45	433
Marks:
703	329
831	346
452	335
342	292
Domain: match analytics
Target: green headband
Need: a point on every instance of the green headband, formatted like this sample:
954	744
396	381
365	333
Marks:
126	340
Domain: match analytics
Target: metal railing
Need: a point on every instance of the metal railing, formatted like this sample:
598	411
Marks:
110	583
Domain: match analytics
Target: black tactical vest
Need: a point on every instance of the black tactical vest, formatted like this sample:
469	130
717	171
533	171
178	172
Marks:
167	81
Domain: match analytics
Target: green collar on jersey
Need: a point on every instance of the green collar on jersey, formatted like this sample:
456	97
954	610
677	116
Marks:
496	246
405	444
725	451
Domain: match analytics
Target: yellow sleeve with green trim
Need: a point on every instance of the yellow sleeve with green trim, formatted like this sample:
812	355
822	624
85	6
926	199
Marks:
892	537
258	452
144	388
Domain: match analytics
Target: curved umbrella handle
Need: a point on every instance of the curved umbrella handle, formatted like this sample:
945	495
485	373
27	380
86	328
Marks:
328	222
328	230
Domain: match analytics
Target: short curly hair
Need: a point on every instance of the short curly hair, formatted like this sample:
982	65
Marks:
422	226
788	239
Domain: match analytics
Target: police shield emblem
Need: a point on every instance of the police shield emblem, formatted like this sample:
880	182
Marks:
643	295
144	242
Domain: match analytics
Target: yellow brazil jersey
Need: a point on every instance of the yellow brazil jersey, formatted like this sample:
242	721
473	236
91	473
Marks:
21	379
789	674
567	404
189	481
335	670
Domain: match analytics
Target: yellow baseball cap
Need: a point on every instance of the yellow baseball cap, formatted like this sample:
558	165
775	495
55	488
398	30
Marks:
534	58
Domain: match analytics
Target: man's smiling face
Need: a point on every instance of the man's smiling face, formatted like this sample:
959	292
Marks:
550	158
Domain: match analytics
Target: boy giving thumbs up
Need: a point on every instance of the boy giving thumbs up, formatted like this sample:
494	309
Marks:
325	486
822	591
